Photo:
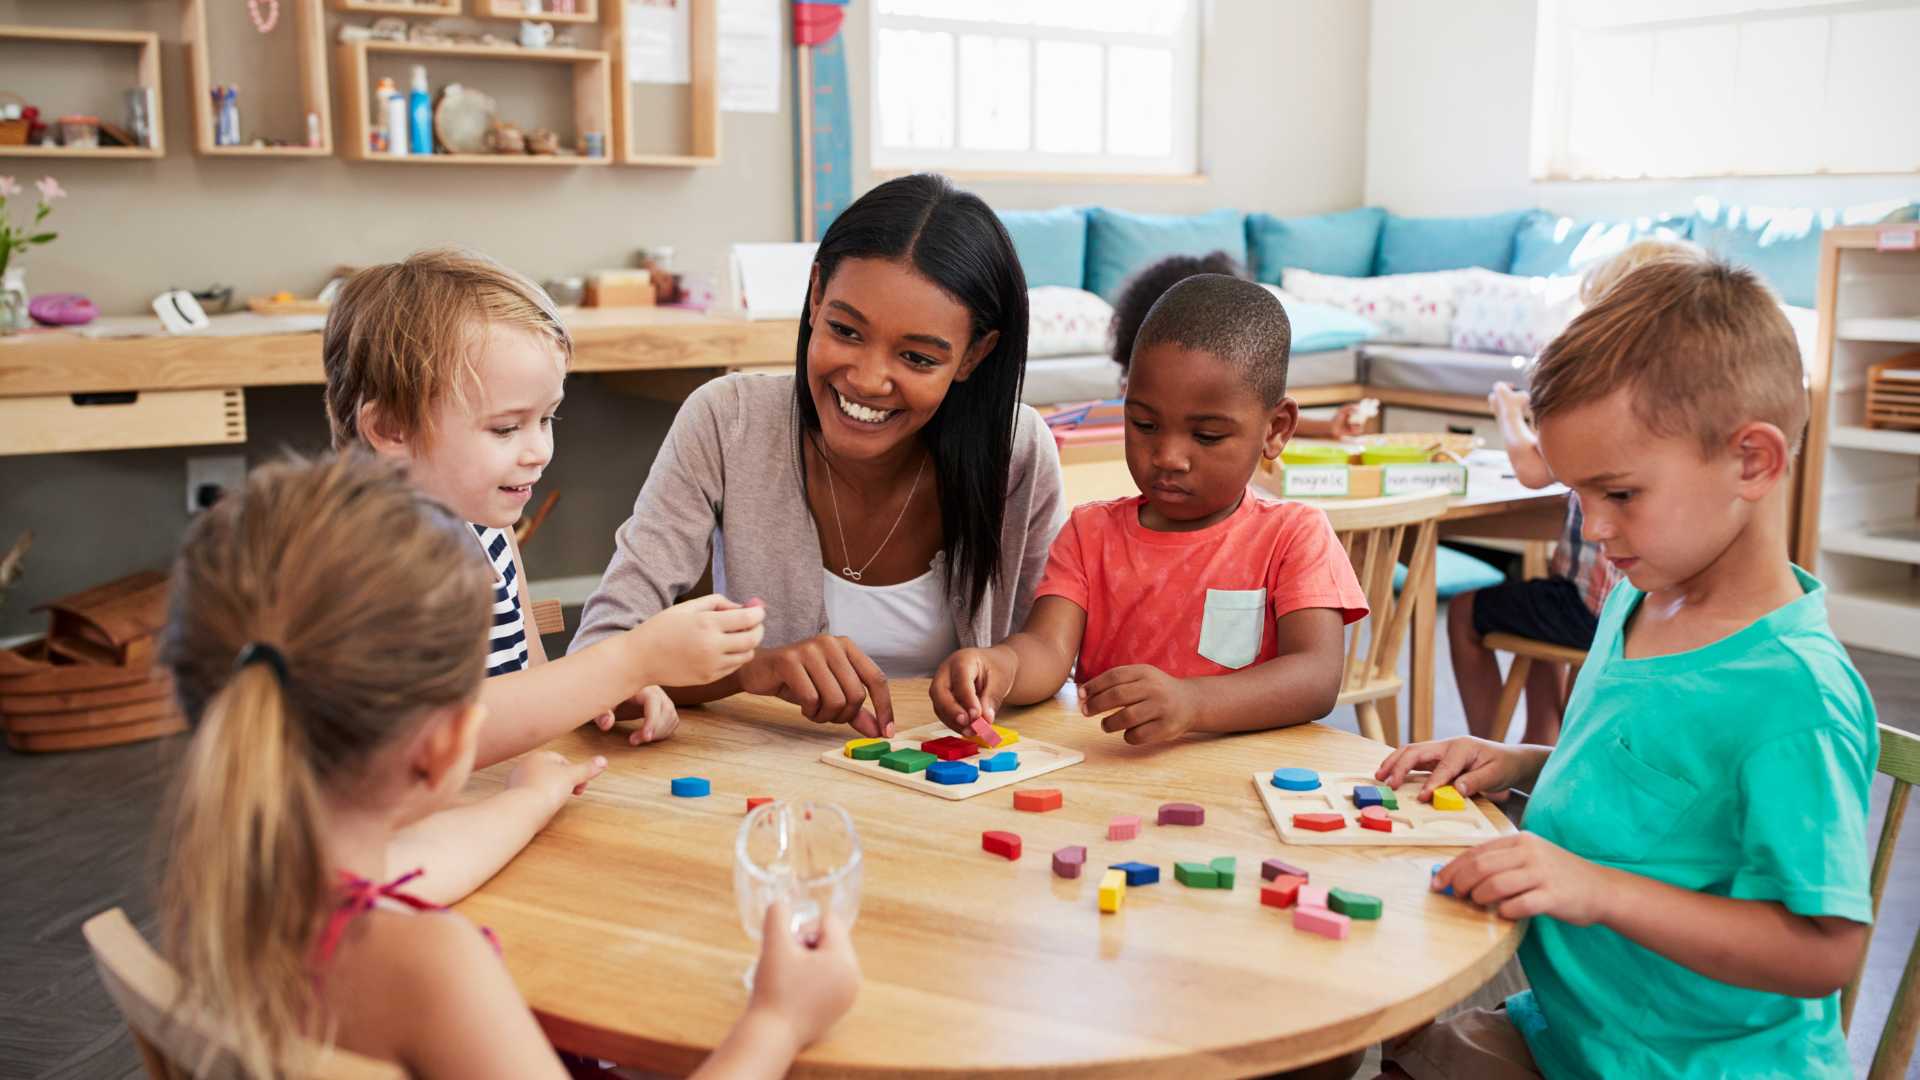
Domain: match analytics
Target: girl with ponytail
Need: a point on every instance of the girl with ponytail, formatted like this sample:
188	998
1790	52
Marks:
334	686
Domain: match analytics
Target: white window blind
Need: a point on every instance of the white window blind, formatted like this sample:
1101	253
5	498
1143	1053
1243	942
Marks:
1036	86
1665	88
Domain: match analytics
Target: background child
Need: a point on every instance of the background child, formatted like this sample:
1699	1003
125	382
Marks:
1191	607
333	684
1563	607
455	365
1137	297
1694	858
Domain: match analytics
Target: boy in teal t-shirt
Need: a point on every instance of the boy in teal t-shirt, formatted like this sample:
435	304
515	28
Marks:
1694	853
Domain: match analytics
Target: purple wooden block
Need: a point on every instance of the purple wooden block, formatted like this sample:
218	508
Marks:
1068	861
1273	868
1181	813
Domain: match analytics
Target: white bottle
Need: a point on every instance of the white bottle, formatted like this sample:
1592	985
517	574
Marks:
397	125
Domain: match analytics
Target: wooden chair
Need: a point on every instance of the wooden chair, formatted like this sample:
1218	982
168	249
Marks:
145	986
1900	759
1375	533
1525	651
547	617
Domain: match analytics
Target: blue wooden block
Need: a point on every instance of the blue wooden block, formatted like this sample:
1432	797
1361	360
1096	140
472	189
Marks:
1366	795
1296	779
1138	873
691	786
952	772
1436	869
1004	761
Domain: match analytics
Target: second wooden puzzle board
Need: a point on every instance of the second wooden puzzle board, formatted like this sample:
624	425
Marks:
1036	758
1415	824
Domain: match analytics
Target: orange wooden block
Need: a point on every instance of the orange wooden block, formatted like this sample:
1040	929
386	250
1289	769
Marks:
1281	891
758	800
1319	822
1038	801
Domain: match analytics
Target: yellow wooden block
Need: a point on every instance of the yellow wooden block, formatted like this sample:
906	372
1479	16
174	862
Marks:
1113	889
1007	738
1446	798
853	744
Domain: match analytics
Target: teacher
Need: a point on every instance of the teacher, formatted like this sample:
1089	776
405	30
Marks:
891	501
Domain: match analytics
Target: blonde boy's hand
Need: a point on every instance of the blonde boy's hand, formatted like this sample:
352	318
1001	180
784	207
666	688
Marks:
1347	422
701	641
971	684
804	986
1509	404
1523	875
552	775
1153	705
1473	766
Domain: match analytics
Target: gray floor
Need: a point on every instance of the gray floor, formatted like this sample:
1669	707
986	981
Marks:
75	839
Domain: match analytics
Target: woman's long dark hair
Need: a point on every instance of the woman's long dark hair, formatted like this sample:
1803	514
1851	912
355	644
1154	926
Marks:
958	243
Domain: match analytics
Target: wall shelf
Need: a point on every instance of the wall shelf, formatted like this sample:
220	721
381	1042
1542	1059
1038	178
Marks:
1855	437
592	93
417	8
149	75
511	9
1880	329
701	104
1868	541
310	35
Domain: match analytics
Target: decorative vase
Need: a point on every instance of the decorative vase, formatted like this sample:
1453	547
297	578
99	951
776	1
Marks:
13	300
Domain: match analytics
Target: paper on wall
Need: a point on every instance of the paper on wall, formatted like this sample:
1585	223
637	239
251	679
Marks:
658	36
750	55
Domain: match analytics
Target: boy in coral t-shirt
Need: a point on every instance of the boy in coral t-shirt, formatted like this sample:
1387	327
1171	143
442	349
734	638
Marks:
1192	606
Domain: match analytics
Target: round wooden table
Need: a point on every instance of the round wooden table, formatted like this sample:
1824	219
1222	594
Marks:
619	924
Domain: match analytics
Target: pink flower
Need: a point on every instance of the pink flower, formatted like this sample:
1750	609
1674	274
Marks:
8	187
49	189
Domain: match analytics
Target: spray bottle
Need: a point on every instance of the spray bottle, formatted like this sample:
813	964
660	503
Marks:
420	108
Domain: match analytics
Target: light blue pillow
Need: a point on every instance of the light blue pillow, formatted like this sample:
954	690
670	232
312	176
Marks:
1320	327
1546	246
1120	244
1455	572
1781	244
1342	244
1418	245
1052	244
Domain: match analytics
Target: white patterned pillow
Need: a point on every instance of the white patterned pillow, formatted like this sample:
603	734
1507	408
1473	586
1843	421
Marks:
1064	321
1501	313
1413	309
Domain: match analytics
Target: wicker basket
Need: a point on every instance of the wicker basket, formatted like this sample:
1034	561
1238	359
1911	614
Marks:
1893	393
14	132
1446	446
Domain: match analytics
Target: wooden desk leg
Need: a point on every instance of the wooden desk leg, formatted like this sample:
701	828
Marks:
1422	665
1533	560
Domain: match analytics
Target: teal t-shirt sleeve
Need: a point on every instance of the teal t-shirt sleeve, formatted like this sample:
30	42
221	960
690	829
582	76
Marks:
1803	824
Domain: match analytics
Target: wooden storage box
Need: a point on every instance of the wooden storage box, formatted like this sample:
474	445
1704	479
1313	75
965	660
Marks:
1893	393
92	681
62	423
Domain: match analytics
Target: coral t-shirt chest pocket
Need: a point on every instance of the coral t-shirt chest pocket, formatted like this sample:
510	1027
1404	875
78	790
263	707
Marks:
1233	626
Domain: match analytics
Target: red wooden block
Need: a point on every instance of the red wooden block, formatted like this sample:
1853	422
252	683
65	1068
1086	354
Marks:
949	748
1001	843
1182	813
1375	818
1038	801
1319	822
1274	868
757	800
1280	892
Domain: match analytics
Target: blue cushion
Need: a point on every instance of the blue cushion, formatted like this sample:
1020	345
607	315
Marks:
1120	244
1052	244
1417	245
1341	244
1320	327
1781	244
1546	246
1455	572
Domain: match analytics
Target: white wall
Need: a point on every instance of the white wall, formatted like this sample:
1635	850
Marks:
1449	117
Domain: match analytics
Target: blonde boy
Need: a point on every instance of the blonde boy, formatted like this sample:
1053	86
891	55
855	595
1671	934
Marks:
1693	856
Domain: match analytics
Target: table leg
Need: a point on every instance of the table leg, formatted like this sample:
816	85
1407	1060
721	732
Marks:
1421	668
1533	560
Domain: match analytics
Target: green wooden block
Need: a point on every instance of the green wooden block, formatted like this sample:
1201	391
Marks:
1388	799
1196	875
1223	868
1353	905
872	751
907	761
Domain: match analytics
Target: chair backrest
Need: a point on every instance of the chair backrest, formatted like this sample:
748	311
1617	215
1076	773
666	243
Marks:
1374	532
145	987
1900	759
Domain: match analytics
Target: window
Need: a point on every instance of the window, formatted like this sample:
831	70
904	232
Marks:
1060	86
1632	88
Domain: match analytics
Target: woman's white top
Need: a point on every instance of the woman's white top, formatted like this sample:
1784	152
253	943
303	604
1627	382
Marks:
907	628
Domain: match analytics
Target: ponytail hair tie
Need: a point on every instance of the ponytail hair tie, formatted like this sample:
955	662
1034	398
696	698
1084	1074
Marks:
259	652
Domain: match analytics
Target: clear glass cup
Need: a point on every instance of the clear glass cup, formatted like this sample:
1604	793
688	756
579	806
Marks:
806	853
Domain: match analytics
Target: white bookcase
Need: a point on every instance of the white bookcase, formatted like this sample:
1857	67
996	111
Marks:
1858	518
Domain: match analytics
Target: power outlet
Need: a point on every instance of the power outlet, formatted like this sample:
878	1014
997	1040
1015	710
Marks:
208	478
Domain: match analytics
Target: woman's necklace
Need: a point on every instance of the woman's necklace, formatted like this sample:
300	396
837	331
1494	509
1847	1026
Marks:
849	571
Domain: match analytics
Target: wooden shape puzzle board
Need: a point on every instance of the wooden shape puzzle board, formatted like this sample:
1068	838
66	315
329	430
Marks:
1036	758
1415	824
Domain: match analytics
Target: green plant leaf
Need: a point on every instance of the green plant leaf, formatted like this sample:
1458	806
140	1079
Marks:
42	238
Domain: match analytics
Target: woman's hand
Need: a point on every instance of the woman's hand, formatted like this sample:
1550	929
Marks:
699	641
971	684
1473	766
829	678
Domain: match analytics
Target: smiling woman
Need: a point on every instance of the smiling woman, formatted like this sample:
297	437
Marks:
891	501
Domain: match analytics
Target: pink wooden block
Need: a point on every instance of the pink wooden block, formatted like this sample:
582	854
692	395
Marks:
1068	861
1124	827
985	733
1311	896
1320	920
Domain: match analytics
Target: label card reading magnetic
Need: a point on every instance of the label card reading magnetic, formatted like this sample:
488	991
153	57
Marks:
1316	481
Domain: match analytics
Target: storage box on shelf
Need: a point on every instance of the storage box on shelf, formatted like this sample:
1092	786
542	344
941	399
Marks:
699	98
310	35
1859	527
592	98
148	78
587	11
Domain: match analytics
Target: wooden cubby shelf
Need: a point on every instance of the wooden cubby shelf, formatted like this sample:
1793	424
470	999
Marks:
310	34
510	9
417	8
592	99
702	91
149	64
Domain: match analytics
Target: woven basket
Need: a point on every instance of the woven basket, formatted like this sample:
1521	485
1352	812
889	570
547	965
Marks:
14	132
